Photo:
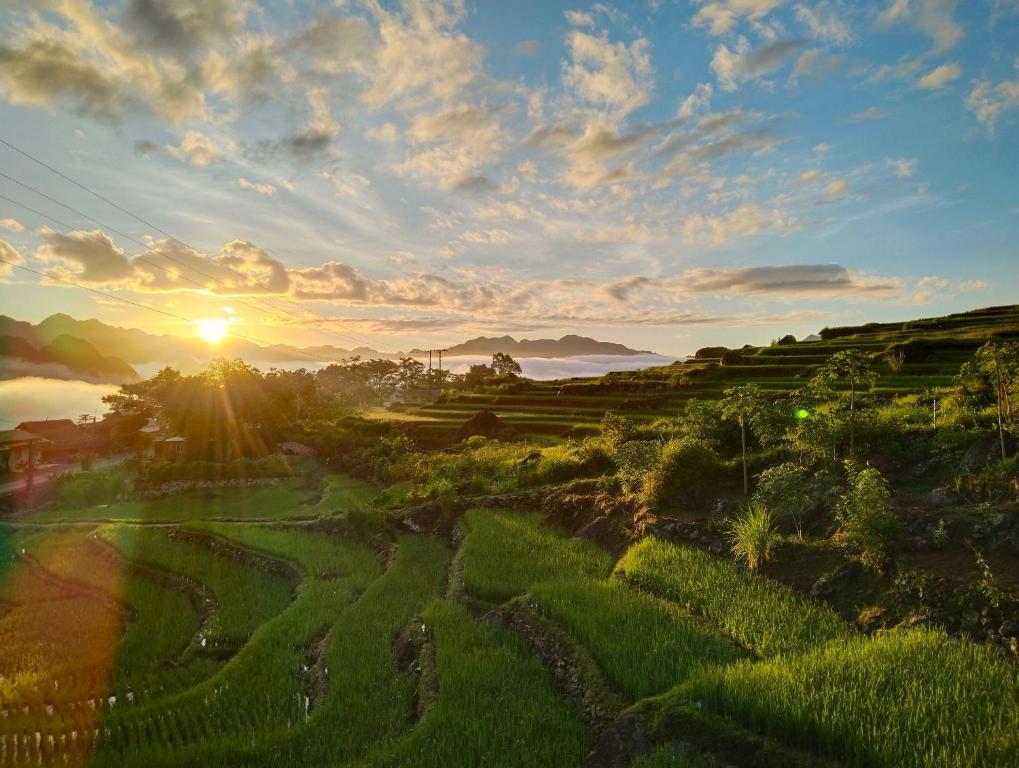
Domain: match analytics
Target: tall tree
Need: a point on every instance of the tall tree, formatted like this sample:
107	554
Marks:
743	404
504	365
852	367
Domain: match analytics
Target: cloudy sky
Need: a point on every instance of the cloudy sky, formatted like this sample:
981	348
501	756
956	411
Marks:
664	174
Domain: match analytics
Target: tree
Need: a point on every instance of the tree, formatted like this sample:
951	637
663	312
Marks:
867	523
743	404
477	375
504	365
852	367
994	367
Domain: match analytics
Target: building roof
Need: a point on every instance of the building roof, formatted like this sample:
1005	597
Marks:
50	427
9	436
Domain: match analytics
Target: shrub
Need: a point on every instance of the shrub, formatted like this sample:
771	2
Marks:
685	476
86	489
785	490
752	535
868	525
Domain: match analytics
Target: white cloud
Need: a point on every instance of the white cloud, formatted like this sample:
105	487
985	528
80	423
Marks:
740	63
196	148
987	101
262	189
747	220
697	101
837	188
11	225
579	18
10	255
823	23
870	113
940	76
615	76
904	169
933	18
489	236
720	16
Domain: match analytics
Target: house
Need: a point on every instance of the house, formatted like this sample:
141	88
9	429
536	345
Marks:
65	440
19	449
169	448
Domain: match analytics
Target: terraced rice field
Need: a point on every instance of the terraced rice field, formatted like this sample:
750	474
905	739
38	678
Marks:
209	642
936	349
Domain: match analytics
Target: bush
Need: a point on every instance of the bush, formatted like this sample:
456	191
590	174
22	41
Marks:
868	525
785	490
752	535
154	473
685	476
86	489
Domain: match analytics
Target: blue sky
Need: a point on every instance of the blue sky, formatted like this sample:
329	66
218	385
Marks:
666	174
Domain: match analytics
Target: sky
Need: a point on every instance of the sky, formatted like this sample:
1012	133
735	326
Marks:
666	175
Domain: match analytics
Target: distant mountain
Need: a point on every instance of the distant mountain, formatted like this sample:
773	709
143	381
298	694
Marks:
65	357
94	349
567	346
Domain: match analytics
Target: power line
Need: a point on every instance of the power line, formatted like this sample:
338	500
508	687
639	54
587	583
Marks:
152	226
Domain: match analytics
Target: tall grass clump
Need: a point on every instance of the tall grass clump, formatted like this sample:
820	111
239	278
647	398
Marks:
506	552
917	698
644	644
759	614
752	535
496	705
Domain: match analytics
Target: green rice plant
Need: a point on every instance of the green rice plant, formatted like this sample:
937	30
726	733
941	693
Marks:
246	596
496	705
343	493
506	552
752	535
667	756
761	615
909	699
644	644
261	691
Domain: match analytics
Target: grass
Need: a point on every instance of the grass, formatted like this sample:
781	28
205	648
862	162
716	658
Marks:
342	493
269	502
916	698
495	706
506	552
645	645
246	596
261	690
762	616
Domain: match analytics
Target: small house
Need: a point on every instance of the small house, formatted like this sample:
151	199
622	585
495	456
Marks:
19	449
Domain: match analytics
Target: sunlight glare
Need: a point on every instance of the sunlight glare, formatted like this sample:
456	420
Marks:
213	331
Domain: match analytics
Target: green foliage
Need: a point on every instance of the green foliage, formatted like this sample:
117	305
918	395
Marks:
752	535
153	473
684	476
644	644
506	552
87	489
867	524
496	705
913	699
759	614
785	490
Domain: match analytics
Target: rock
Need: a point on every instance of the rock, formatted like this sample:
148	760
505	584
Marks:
1009	628
830	582
532	458
940	497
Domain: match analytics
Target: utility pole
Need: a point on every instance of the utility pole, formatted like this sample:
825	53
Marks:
430	379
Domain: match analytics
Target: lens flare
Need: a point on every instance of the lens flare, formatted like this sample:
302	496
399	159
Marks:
802	413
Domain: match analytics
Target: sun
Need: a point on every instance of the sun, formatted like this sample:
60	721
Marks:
213	331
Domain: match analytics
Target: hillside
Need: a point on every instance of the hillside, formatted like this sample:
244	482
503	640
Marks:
932	352
64	357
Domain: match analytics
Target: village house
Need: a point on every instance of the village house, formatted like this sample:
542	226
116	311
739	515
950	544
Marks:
19	449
